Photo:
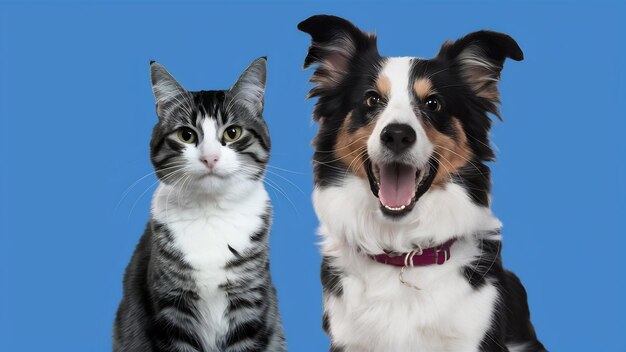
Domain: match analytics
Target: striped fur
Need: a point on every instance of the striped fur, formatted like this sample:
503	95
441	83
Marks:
199	279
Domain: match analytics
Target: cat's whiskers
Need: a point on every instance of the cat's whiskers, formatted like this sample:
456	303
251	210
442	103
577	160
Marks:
272	183
166	177
287	170
173	188
288	180
275	186
136	182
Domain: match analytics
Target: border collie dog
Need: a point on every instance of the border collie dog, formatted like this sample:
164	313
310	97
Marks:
411	250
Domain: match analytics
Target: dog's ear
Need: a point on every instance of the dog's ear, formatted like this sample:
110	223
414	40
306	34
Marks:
480	57
335	42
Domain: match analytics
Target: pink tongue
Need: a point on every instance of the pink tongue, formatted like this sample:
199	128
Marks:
397	185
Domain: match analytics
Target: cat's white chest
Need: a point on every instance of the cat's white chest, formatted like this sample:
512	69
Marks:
204	244
203	232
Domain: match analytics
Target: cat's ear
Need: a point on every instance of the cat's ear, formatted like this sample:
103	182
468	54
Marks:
249	89
480	57
164	86
335	43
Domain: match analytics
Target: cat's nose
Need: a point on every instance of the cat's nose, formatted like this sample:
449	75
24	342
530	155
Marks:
210	160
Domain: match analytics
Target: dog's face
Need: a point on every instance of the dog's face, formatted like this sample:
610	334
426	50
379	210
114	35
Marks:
406	125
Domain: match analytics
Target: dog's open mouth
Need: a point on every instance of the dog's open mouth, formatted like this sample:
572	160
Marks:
399	186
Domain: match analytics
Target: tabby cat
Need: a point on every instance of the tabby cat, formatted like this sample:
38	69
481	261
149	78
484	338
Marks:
199	279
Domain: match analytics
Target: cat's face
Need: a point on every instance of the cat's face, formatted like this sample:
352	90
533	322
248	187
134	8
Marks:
210	141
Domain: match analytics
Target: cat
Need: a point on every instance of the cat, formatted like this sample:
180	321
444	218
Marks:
199	279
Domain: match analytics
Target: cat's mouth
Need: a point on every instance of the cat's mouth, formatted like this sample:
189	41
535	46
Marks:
212	174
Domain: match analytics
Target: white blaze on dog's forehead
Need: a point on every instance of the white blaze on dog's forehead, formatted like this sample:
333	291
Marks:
398	71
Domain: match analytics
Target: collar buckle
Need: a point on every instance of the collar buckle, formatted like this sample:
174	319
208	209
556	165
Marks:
442	254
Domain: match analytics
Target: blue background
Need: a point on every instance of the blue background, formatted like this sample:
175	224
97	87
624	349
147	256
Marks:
77	111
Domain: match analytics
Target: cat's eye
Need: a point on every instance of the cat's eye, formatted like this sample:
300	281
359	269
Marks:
432	104
187	135
232	133
373	99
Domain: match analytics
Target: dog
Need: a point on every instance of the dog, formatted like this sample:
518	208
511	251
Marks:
411	251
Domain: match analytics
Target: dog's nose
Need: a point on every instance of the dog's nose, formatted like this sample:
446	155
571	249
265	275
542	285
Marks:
398	137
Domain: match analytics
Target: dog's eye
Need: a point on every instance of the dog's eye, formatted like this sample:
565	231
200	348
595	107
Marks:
186	135
432	104
373	100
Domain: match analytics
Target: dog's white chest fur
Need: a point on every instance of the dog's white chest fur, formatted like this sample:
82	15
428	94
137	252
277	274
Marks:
203	230
375	311
378	313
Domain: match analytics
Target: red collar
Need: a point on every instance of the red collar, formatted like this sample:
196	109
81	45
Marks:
428	256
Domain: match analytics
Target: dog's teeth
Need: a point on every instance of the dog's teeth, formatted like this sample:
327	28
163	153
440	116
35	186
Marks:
395	209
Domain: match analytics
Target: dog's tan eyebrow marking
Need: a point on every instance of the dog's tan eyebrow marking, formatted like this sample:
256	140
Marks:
423	88
383	85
